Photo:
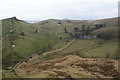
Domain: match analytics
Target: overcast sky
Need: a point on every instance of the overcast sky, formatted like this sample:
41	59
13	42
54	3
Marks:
58	9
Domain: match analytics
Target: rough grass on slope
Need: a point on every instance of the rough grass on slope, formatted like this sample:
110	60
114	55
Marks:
6	28
88	48
76	46
70	66
107	32
32	42
31	45
49	34
107	49
8	56
110	22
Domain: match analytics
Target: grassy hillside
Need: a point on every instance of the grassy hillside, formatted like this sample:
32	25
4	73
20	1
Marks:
23	46
74	48
93	48
110	22
63	56
8	55
28	39
107	32
106	49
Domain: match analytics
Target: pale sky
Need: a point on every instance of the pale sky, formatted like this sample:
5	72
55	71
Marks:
58	9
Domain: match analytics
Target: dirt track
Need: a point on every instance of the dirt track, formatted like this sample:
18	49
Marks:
60	48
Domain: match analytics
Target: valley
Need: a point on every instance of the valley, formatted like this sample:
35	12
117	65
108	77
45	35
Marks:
60	48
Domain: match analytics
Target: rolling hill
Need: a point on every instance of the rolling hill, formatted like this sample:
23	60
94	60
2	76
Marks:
18	46
28	42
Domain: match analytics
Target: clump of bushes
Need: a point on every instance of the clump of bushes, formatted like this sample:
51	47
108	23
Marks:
22	34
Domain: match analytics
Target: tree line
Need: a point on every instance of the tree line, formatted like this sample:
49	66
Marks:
84	31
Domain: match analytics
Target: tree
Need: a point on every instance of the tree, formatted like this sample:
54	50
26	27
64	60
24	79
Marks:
22	34
83	27
65	30
77	35
71	34
96	26
101	25
88	30
83	30
60	37
76	32
76	29
36	31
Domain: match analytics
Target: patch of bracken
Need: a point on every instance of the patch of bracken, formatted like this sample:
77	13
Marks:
63	74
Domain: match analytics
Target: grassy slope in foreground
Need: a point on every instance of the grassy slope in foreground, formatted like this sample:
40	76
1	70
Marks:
70	66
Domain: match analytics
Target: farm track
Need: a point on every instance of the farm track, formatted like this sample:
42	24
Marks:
60	48
87	48
80	51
